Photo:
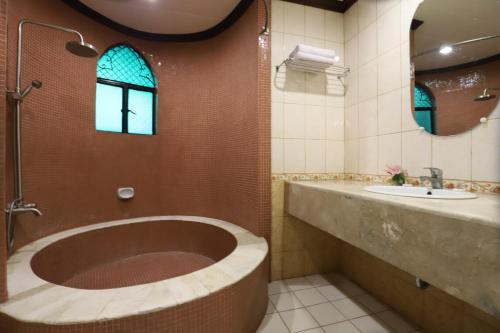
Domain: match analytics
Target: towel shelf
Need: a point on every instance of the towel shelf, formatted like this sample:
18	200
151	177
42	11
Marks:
334	70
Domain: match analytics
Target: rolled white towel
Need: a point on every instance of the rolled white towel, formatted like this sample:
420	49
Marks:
313	50
302	56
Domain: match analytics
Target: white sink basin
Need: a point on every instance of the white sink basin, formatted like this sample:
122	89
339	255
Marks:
420	192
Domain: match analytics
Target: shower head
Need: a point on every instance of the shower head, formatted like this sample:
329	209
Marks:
36	84
82	49
485	96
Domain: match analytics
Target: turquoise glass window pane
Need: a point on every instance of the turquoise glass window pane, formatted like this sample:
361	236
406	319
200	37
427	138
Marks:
422	98
123	64
424	119
108	115
141	104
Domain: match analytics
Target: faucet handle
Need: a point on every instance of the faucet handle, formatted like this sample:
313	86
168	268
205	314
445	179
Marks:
435	172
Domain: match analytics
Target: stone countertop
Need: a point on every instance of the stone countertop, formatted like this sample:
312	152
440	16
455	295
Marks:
32	299
452	244
484	209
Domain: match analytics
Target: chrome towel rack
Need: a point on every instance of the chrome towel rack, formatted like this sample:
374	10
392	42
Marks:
334	70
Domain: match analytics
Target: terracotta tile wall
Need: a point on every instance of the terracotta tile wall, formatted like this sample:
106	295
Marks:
3	62
211	156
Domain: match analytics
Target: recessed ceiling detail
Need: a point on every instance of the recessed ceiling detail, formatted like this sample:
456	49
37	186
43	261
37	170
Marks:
166	20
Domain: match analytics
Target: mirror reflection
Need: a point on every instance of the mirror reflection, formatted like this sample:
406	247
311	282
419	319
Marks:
455	51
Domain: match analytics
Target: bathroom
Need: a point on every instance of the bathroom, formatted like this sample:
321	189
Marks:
243	166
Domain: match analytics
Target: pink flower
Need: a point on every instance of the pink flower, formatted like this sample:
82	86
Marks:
394	170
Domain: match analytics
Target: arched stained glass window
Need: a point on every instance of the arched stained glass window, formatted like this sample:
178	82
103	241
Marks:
126	92
424	108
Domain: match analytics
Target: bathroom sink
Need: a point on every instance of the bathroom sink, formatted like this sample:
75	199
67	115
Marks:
420	192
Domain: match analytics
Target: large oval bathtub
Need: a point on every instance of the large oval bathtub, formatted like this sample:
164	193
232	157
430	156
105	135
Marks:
158	274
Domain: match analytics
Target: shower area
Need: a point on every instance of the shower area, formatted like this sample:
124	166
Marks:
203	170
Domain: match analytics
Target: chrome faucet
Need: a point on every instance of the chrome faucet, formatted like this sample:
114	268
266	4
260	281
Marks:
436	178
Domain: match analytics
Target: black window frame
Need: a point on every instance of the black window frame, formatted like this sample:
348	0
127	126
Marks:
125	92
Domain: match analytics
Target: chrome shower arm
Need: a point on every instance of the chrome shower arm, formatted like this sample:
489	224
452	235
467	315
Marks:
20	43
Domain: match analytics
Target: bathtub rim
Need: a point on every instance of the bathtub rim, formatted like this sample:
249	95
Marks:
32	299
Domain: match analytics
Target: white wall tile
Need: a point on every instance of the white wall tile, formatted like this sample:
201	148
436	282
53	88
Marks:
389	112
389	151
294	121
416	152
384	5
315	89
367	44
351	154
368	85
485	151
315	122
278	16
453	155
389	30
334	27
294	156
294	21
351	22
368	123
367	13
389	71
306	109
351	88
351	54
334	156
334	123
315	156
351	122
315	23
368	155
277	120
277	155
405	64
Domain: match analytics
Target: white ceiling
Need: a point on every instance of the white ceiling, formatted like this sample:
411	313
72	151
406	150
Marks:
165	16
451	21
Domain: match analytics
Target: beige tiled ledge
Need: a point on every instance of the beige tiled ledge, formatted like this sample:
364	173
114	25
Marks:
454	245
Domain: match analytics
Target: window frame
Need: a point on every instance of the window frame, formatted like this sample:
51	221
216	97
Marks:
431	109
125	93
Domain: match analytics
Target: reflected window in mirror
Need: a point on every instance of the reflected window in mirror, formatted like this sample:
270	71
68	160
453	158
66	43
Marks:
424	108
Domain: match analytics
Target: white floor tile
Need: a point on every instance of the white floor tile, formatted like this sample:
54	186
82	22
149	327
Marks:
272	323
298	320
310	297
337	278
371	324
397	323
332	293
318	280
351	289
314	330
298	283
369	302
350	309
277	287
343	327
285	301
325	314
270	307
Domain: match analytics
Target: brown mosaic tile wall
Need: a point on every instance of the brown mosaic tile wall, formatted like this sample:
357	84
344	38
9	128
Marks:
3	64
236	309
211	156
264	124
432	309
